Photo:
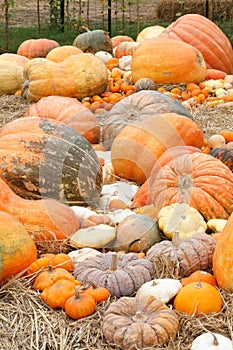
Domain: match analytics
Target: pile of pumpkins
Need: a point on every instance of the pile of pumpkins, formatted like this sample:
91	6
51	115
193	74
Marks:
143	188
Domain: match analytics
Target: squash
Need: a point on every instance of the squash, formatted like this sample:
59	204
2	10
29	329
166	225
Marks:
169	62
77	76
211	341
33	48
69	111
206	37
121	274
45	158
149	32
138	146
137	107
93	41
18	249
11	74
60	53
43	219
139	323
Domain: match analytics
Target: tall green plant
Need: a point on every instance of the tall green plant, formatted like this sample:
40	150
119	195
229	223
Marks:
6	14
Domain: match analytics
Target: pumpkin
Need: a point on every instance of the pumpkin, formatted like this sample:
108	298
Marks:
104	56
216	225
145	84
14	57
33	48
18	250
39	264
77	76
186	255
125	48
198	179
62	260
180	218
56	295
135	227
121	274
11	74
206	37
224	154
117	39
80	305
163	289
199	276
79	255
198	297
149	32
222	259
46	158
60	53
97	219
227	134
100	294
93	41
214	74
137	147
182	63
216	141
139	323
138	107
69	111
211	341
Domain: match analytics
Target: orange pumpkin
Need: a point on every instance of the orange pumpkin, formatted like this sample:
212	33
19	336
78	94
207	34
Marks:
21	60
47	278
33	48
80	305
126	48
199	276
60	53
206	37
56	295
116	40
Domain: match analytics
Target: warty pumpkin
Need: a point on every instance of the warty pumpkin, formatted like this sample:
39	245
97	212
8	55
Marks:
137	147
77	76
18	249
44	158
206	37
69	111
169	62
197	179
121	274
139	323
33	48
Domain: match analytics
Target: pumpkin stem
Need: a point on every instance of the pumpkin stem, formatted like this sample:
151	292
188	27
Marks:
50	267
215	342
139	317
176	239
113	265
198	285
154	283
77	293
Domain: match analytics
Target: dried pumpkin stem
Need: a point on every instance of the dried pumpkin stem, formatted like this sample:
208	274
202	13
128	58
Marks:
113	266
176	239
139	317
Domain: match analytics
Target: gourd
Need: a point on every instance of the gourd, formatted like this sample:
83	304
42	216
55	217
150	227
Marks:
186	255
182	63
139	323
211	341
77	76
137	107
198	297
18	249
93	41
46	158
180	218
60	53
138	146
199	179
121	274
205	36
69	111
163	289
33	48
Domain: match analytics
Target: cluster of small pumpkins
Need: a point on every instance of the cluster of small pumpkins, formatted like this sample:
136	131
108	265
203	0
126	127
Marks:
57	161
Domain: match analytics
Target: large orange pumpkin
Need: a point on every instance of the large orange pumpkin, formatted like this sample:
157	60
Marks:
60	53
206	37
69	111
168	61
33	48
18	249
197	179
137	147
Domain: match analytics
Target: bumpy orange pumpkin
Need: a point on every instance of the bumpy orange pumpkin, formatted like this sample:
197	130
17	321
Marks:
206	37
18	250
33	48
169	62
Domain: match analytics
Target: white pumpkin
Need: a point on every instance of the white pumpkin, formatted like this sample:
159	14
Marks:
181	218
163	289
211	341
79	255
125	63
103	55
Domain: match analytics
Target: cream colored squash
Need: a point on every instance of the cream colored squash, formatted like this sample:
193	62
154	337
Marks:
181	218
149	32
211	341
81	254
216	225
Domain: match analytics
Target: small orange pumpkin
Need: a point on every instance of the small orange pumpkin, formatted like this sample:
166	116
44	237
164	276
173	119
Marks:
56	295
199	276
80	305
98	293
46	278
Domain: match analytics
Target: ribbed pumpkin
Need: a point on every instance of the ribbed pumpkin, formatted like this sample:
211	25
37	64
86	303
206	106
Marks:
60	53
18	250
11	73
33	48
138	107
169	62
197	179
77	76
206	37
93	41
44	158
69	111
137	147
